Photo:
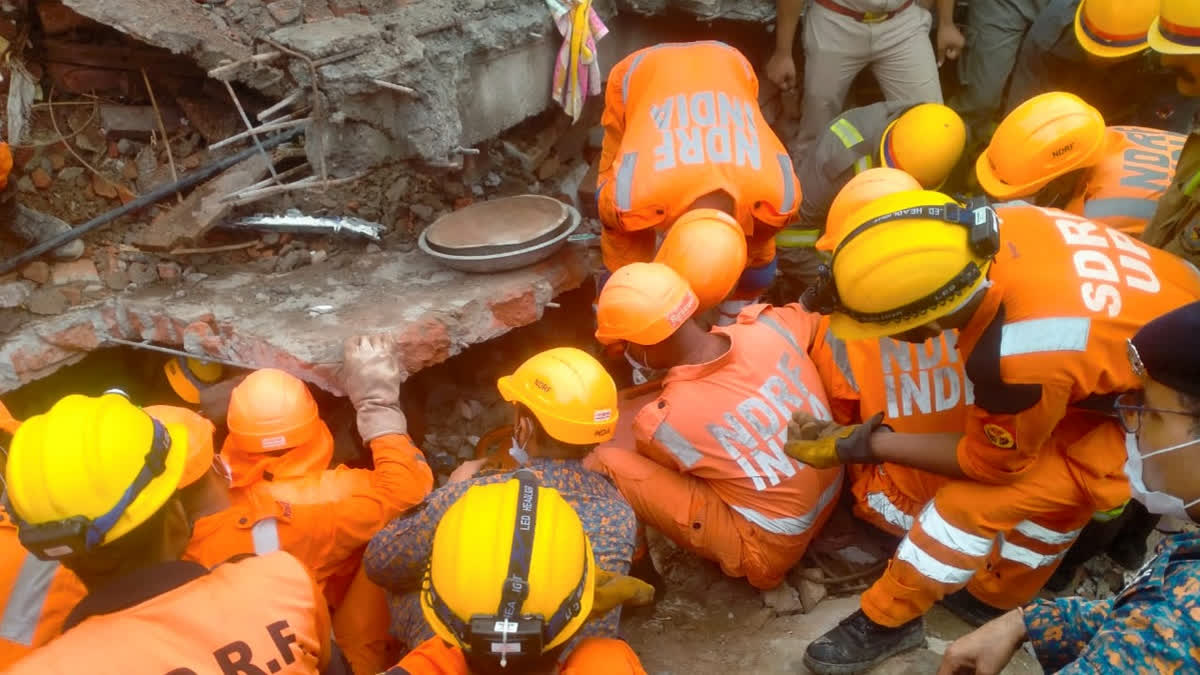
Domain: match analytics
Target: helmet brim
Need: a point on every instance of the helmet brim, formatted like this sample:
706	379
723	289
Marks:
1165	45
849	329
1103	51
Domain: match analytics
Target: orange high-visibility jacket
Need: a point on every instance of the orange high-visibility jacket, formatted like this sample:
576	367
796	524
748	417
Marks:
726	421
328	531
593	656
1049	338
263	613
37	596
680	121
1122	191
918	388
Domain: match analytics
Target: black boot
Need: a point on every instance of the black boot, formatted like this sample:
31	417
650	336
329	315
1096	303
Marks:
858	644
970	608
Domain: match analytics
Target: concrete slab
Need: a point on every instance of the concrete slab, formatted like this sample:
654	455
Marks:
263	320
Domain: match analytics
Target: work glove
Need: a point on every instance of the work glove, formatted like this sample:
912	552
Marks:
371	378
613	590
823	444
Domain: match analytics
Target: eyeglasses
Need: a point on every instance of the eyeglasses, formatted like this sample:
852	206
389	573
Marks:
1129	411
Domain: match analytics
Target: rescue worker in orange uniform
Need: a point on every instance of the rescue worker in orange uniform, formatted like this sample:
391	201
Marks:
708	468
328	536
683	131
36	594
1054	150
92	484
514	555
1041	451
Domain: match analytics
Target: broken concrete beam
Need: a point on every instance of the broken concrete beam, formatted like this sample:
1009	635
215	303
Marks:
201	211
136	122
755	11
264	320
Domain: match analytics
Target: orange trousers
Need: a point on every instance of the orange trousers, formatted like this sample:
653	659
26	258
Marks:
360	626
1002	542
689	512
620	248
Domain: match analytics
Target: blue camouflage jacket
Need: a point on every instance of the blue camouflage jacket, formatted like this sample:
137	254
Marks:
1152	626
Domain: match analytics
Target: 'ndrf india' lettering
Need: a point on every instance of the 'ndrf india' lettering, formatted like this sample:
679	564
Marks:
936	385
705	128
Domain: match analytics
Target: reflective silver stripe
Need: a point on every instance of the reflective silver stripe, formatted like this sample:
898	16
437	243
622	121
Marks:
1026	557
792	525
951	537
778	328
789	188
625	181
1115	207
930	566
629	74
879	503
24	607
1059	334
1044	534
266	536
862	164
677	445
841	357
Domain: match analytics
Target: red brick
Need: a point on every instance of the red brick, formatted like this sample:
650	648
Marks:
344	7
41	179
516	310
57	18
37	272
425	344
316	10
57	161
73	294
29	364
80	337
76	271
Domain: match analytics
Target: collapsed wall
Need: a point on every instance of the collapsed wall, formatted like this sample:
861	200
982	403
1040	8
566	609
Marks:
465	70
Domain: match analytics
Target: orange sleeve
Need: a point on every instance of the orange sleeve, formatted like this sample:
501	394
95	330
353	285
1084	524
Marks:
844	398
805	326
432	657
602	656
998	448
645	424
322	623
613	121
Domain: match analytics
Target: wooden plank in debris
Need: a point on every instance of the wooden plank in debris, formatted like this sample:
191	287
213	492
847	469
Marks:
201	211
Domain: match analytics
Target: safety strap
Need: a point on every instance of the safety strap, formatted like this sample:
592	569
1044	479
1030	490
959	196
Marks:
155	464
516	584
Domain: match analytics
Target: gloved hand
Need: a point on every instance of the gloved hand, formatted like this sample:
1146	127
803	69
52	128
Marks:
823	444
371	378
614	589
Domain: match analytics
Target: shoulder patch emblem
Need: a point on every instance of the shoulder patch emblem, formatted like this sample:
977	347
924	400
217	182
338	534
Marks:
998	436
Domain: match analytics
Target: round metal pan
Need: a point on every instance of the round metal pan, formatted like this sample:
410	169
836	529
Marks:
498	226
505	260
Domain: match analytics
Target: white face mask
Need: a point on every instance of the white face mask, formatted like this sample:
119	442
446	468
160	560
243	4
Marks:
642	373
1155	502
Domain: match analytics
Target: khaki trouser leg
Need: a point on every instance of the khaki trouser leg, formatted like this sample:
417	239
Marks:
836	48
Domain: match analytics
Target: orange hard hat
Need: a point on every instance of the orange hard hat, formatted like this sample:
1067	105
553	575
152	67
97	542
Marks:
708	249
1043	138
200	439
643	303
1114	29
7	421
863	189
270	411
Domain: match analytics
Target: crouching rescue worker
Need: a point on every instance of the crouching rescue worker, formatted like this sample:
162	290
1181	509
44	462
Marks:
1040	453
35	595
1153	624
924	140
708	469
1054	150
1176	223
511	578
683	131
564	404
92	484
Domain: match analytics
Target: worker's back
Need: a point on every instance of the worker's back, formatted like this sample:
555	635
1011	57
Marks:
258	615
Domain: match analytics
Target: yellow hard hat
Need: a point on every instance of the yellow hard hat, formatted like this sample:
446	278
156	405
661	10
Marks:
1177	28
570	393
89	471
200	439
926	142
707	248
511	574
1113	29
1043	138
188	375
643	303
907	259
861	190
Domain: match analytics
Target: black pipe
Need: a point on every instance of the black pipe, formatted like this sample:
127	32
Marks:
147	199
